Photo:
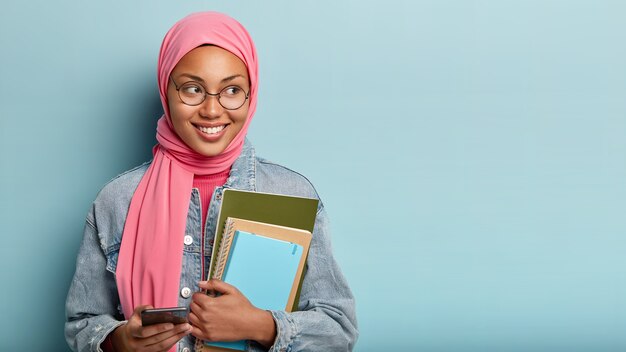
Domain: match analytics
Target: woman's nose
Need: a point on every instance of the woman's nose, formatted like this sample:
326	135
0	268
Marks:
210	107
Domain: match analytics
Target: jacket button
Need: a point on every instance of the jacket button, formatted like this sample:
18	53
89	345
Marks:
188	240
218	196
185	292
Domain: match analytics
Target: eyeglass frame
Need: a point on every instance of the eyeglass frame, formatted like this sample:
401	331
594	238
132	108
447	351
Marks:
206	92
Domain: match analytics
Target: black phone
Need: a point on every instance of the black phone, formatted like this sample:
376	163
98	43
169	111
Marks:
175	315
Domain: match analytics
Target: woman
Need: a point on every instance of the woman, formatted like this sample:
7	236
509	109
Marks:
148	236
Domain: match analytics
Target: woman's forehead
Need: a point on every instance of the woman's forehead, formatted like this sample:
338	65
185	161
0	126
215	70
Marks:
211	61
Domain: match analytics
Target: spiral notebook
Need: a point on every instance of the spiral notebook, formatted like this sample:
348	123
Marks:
265	262
278	209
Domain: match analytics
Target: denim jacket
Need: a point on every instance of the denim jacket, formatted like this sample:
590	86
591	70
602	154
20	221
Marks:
326	320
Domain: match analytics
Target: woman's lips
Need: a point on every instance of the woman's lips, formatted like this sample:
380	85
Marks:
211	134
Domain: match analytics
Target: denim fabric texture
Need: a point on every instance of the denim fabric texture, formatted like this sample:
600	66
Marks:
326	320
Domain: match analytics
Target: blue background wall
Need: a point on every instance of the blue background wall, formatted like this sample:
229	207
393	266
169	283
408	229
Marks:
471	155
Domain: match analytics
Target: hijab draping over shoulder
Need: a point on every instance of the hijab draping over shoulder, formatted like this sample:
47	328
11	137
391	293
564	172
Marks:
150	258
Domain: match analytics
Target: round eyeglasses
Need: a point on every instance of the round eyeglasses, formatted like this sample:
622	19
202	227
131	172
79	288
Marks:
193	93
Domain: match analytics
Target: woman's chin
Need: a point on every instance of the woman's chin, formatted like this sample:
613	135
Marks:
210	150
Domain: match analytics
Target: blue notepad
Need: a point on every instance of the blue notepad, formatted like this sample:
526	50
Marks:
263	269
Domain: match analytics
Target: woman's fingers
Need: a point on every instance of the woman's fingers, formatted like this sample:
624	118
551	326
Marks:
144	332
197	333
199	325
163	341
193	319
136	330
199	301
153	338
135	319
217	286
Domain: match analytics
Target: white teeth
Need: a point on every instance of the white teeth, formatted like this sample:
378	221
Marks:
211	130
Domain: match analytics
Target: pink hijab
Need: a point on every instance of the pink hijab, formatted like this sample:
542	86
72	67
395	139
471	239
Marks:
150	258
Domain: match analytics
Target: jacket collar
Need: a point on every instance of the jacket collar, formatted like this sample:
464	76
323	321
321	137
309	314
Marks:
243	172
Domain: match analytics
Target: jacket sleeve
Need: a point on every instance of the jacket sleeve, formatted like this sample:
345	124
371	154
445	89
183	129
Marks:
326	320
91	306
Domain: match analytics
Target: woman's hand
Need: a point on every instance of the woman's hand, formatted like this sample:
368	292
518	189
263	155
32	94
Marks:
229	316
133	337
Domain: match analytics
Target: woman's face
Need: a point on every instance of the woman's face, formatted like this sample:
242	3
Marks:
208	128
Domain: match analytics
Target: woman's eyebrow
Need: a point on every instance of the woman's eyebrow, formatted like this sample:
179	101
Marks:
197	78
230	78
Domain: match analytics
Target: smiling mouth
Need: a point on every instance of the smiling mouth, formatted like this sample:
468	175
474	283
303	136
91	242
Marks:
211	130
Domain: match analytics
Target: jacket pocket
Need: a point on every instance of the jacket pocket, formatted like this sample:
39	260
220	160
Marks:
112	253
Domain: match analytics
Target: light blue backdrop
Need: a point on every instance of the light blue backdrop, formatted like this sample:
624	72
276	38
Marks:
471	155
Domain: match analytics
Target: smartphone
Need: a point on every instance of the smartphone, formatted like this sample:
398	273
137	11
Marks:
175	315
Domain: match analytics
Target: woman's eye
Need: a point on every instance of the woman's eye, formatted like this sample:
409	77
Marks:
192	89
234	90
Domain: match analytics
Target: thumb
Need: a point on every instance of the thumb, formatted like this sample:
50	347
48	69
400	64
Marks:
218	286
136	317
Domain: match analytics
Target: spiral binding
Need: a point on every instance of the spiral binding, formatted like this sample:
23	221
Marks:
199	345
220	263
225	244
